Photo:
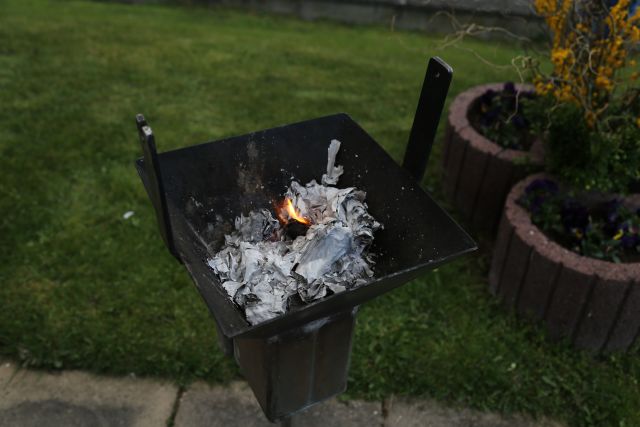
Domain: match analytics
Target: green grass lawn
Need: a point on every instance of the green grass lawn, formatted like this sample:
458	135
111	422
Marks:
80	287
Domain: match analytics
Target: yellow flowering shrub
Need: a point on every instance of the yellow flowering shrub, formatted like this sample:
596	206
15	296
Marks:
591	44
588	104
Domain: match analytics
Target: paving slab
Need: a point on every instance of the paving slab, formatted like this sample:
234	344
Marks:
7	371
353	413
76	399
32	398
426	413
235	405
202	405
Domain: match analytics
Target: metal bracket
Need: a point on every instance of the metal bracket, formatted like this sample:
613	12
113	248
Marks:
153	176
425	122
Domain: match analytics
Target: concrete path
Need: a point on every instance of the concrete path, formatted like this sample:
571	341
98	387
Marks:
33	398
71	398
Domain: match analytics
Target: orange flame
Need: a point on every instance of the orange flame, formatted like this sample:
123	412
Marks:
287	206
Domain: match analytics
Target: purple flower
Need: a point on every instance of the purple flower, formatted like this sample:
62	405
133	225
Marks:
629	242
490	116
612	216
538	192
510	88
487	97
611	209
574	216
544	185
519	121
630	239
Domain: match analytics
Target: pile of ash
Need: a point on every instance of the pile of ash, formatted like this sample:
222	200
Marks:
316	245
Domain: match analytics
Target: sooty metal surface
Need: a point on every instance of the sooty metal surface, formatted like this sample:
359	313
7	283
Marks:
301	357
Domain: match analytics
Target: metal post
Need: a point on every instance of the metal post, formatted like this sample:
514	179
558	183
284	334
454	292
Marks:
155	187
425	122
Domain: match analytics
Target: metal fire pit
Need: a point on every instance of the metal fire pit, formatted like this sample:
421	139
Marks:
301	357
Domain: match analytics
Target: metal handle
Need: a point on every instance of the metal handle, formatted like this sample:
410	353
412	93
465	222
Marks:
425	122
155	186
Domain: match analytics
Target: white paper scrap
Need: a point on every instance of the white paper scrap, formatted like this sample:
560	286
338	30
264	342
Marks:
262	269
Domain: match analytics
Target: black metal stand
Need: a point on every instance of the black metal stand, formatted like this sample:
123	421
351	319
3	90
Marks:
301	357
287	422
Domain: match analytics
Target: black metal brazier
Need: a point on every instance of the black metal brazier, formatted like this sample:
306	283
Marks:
301	357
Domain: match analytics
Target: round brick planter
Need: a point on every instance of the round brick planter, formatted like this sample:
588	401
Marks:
594	304
479	173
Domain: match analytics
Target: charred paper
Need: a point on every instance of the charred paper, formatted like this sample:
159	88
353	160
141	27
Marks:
263	268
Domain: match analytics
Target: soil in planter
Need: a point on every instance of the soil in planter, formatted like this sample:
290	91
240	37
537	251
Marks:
607	230
501	117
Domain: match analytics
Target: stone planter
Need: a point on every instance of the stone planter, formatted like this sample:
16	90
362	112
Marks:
594	304
479	173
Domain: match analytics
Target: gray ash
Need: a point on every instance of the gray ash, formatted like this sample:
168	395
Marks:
267	263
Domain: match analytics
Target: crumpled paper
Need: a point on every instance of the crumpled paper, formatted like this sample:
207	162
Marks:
333	172
262	269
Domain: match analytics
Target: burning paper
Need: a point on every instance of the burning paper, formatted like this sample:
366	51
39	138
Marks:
262	267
